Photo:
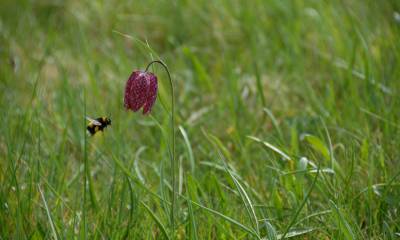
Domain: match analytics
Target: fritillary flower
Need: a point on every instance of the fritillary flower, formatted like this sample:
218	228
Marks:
141	91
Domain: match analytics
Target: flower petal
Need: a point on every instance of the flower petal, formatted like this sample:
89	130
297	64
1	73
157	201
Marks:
136	90
151	94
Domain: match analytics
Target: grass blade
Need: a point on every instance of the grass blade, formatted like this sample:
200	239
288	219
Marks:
246	201
272	147
52	226
189	148
317	144
274	121
193	233
155	218
301	205
245	198
271	232
343	224
229	219
295	233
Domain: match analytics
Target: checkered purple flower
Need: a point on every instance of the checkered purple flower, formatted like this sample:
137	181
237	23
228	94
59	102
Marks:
141	91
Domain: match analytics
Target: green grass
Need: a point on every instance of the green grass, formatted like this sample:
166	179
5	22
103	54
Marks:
287	120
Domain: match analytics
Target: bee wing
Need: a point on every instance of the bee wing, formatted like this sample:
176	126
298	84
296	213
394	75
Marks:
95	122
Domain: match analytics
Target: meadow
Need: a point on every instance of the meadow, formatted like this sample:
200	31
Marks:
287	120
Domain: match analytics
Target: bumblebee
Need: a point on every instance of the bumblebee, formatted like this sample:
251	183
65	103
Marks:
97	125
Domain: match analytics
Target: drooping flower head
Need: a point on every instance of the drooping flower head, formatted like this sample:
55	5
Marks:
141	91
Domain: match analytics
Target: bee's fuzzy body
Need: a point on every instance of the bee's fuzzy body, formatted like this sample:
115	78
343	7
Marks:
98	124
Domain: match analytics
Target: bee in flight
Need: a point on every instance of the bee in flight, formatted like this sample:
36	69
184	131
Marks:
97	125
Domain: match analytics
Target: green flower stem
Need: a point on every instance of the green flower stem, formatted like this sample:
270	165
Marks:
172	152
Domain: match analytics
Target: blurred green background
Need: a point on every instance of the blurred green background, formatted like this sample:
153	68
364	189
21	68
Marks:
267	92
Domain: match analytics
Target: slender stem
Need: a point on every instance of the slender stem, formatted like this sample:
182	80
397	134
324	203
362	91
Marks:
85	174
172	151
